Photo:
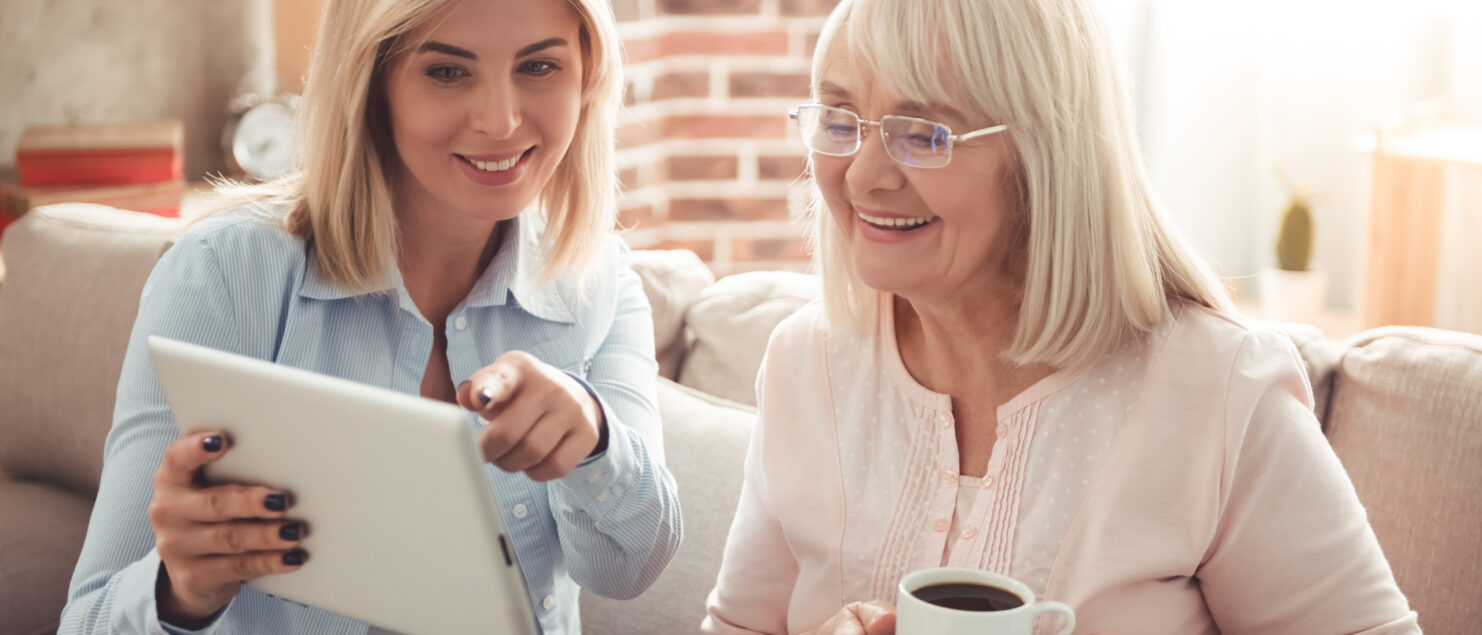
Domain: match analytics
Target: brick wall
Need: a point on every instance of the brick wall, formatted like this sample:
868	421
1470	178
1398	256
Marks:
708	159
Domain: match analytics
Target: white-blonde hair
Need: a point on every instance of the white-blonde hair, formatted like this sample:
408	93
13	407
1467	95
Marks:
340	196
1101	260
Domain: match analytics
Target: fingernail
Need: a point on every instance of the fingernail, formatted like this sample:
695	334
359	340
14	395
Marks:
212	443
289	532
486	395
274	502
293	558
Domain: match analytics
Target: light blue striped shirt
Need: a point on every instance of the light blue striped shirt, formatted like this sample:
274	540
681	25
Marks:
239	283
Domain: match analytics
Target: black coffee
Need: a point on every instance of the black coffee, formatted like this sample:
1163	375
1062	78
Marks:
968	597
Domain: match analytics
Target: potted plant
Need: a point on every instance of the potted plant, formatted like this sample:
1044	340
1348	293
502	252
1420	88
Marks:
1294	290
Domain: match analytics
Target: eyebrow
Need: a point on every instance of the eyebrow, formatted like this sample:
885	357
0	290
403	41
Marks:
910	108
446	49
449	49
541	46
832	89
927	111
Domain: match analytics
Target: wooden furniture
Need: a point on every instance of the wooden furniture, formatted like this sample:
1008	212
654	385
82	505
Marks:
1411	160
294	26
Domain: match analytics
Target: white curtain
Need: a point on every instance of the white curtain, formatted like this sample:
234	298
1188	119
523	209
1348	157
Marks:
1225	91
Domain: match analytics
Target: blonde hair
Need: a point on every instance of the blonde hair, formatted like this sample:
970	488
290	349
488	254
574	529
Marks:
1102	262
340	196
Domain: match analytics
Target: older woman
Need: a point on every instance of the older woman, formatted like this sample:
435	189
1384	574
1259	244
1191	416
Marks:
1018	365
448	235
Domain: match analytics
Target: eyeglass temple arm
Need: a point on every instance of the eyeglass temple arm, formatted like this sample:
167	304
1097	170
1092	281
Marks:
979	133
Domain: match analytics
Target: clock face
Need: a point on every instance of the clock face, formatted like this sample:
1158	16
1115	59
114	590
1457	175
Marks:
265	142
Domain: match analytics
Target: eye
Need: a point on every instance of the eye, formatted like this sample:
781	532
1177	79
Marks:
446	74
923	141
841	131
539	68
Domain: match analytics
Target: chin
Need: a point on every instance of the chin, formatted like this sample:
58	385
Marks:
888	277
500	207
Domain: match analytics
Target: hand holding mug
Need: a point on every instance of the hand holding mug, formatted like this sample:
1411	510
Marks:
541	421
859	618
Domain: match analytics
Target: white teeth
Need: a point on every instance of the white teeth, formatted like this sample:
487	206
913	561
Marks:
893	222
496	166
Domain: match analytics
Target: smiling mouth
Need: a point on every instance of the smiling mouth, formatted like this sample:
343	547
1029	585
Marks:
894	224
496	166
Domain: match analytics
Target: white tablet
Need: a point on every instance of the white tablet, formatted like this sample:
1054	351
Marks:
404	529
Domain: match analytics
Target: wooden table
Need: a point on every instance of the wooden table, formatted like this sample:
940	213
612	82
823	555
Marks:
1411	160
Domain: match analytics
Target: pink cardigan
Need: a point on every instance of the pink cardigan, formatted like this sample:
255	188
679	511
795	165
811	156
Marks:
1180	485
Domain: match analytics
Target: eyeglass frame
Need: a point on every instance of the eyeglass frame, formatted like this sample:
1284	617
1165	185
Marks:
864	124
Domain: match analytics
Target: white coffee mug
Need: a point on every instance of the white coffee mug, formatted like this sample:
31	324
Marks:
915	616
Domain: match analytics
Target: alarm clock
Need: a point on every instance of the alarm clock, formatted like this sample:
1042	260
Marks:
261	138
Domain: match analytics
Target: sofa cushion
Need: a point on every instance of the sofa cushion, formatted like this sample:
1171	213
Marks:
71	292
705	439
41	534
729	326
673	280
1406	419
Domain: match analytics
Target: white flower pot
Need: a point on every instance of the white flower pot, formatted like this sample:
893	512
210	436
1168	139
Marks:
1293	296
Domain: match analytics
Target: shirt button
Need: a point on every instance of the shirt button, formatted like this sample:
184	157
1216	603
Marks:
460	323
549	602
944	422
601	498
1003	430
520	511
969	533
988	482
941	525
949	477
595	477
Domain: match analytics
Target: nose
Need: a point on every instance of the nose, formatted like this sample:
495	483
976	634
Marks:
871	168
496	111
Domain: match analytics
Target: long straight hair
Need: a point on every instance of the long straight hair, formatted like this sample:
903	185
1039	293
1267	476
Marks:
1102	261
341	194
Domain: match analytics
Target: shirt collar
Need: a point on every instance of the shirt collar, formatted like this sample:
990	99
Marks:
512	277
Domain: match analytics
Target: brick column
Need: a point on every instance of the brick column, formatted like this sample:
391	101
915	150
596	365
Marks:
707	157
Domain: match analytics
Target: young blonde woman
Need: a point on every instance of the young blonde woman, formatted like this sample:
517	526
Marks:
447	236
1020	367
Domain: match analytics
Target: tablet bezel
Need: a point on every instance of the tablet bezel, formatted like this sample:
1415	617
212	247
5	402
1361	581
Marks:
404	526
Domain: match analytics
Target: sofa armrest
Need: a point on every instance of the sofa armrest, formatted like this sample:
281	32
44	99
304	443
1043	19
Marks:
1406	420
75	272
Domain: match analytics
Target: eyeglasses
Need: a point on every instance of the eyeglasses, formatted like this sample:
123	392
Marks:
911	142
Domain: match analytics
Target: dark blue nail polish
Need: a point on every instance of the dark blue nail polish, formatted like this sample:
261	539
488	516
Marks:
274	502
212	443
293	558
486	395
289	532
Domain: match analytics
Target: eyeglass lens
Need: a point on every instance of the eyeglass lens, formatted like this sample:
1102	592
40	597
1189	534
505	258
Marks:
909	141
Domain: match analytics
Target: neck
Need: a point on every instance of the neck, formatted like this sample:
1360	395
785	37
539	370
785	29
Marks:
441	256
955	344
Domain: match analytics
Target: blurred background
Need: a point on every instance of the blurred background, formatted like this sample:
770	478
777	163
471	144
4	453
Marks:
1371	107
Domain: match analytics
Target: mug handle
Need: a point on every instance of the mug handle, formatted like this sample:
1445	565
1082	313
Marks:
1042	607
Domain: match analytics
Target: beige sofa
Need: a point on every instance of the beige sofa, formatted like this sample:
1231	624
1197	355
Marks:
1403	408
